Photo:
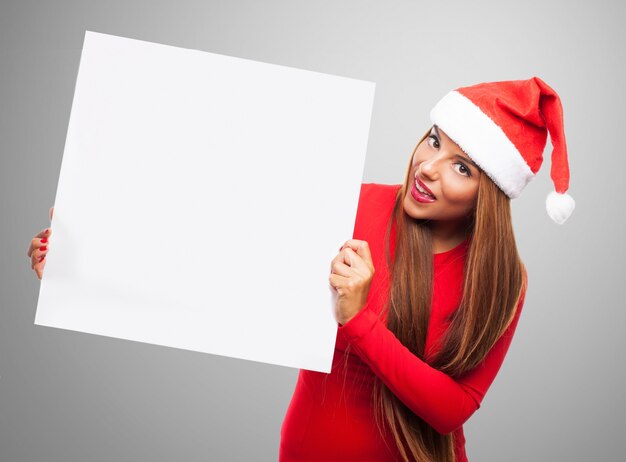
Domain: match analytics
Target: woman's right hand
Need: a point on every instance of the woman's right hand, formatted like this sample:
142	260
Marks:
39	248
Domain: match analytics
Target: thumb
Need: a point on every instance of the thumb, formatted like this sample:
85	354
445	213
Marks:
51	212
351	258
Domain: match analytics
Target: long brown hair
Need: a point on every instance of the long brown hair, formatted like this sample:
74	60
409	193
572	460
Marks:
494	277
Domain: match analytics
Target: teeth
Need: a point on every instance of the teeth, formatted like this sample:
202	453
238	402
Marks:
420	189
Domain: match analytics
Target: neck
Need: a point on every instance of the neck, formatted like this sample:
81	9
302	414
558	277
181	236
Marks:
446	235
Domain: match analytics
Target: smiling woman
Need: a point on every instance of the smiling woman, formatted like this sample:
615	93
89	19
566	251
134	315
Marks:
416	354
444	189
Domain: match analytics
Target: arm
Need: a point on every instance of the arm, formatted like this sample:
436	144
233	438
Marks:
444	403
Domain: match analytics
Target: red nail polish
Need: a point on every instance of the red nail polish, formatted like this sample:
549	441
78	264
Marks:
42	258
43	248
44	240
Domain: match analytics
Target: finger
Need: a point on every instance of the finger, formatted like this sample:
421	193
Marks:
342	257
37	242
353	260
340	268
337	281
39	267
360	269
362	248
354	243
38	255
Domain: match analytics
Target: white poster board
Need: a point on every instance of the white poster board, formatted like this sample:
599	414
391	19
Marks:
201	199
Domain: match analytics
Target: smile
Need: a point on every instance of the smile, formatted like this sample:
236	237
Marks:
421	193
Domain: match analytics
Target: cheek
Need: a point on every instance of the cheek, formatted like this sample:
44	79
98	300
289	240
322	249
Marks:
418	155
461	191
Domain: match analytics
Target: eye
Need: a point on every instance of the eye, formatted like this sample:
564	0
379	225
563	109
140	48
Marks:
435	141
462	169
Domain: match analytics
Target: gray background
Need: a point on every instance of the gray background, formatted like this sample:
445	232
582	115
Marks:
67	396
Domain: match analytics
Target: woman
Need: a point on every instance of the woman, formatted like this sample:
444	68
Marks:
431	287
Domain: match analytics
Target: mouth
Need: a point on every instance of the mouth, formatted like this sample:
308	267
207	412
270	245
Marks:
421	192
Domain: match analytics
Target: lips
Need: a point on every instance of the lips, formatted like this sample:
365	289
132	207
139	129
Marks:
422	188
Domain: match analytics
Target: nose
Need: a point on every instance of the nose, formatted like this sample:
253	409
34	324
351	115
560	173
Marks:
430	168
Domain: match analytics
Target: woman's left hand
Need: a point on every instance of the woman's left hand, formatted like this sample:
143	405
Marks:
352	271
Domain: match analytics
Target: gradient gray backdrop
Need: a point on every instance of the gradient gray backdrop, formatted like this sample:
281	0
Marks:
68	397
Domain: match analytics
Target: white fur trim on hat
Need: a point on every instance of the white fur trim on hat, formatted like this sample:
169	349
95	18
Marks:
483	140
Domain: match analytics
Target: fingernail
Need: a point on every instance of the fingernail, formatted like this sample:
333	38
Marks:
43	248
42	258
44	240
47	231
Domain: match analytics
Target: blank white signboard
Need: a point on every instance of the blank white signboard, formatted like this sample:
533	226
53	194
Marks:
201	199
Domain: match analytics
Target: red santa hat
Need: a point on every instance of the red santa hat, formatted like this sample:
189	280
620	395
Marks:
503	127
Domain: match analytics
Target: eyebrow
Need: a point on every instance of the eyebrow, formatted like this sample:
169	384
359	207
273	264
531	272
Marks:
468	160
465	158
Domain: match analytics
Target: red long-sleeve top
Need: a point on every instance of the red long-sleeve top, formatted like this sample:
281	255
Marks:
330	417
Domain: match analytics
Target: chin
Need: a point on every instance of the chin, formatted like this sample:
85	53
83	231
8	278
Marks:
413	210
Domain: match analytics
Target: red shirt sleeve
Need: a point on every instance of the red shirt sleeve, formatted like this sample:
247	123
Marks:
443	402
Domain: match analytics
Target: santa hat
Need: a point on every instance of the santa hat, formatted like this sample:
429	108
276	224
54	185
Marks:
503	127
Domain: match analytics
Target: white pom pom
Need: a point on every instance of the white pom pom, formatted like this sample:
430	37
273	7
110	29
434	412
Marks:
559	206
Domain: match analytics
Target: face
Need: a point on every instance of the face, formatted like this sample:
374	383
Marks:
443	182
